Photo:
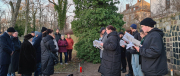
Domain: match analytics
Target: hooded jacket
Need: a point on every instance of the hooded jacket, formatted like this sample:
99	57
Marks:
153	54
47	63
111	60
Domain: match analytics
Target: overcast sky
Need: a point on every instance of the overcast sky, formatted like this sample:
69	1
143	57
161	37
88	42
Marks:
121	6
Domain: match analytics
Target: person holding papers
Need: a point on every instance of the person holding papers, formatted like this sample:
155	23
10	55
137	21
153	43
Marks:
153	54
111	58
123	54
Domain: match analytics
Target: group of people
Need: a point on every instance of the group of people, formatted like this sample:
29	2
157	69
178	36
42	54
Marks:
146	60
34	54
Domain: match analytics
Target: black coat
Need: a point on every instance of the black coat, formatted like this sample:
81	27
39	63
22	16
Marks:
57	36
138	37
154	60
27	61
6	48
13	67
111	60
47	46
37	46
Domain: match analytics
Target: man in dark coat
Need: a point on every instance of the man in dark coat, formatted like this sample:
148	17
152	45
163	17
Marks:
37	46
111	60
13	67
57	35
154	60
27	58
6	50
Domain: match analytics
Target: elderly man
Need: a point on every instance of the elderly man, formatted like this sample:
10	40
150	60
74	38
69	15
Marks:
153	54
6	50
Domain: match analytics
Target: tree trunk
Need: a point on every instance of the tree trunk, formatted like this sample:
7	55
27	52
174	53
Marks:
27	13
15	12
34	20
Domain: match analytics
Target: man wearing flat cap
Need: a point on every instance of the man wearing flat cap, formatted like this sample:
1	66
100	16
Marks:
6	50
153	54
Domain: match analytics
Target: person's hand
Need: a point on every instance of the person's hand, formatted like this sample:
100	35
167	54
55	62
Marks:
137	48
101	44
12	52
123	46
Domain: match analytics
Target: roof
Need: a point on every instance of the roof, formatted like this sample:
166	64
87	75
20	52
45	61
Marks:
141	6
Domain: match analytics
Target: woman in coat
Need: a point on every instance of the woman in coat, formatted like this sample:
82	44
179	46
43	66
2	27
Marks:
111	60
47	47
27	61
13	67
62	43
70	46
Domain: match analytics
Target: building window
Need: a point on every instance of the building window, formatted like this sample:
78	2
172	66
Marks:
167	4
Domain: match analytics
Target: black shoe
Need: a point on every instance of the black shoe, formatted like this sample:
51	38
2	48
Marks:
124	71
129	74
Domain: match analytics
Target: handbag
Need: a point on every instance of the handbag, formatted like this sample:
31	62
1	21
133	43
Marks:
54	56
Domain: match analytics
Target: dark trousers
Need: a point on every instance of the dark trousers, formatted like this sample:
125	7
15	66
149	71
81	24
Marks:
123	59
128	55
26	75
153	75
38	69
4	70
69	51
66	57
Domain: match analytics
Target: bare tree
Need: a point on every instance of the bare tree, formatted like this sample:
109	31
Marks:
14	10
27	16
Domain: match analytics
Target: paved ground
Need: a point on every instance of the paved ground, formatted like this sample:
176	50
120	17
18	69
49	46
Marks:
89	69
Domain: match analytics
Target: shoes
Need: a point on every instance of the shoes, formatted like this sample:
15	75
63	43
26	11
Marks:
129	74
124	71
66	63
61	63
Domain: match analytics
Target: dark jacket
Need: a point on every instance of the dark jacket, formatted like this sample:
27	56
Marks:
154	60
6	48
47	63
111	60
13	67
27	59
62	45
57	36
37	46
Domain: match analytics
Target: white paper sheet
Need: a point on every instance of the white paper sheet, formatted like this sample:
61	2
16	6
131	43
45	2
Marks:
130	39
122	42
97	43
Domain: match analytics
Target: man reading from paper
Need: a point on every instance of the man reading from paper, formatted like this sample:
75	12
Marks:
154	60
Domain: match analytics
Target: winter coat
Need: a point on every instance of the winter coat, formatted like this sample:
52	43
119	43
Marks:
37	46
13	67
6	48
27	58
154	60
111	60
47	63
70	43
57	36
62	45
55	43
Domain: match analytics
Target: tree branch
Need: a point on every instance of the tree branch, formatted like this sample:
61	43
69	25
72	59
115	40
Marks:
12	7
52	2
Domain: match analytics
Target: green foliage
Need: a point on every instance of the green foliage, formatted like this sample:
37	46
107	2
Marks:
61	8
91	15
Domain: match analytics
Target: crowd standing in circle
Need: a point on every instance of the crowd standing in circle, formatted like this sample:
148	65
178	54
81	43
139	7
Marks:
38	52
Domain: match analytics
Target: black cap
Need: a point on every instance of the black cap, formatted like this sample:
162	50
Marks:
43	29
11	29
148	22
32	31
121	33
28	36
102	28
